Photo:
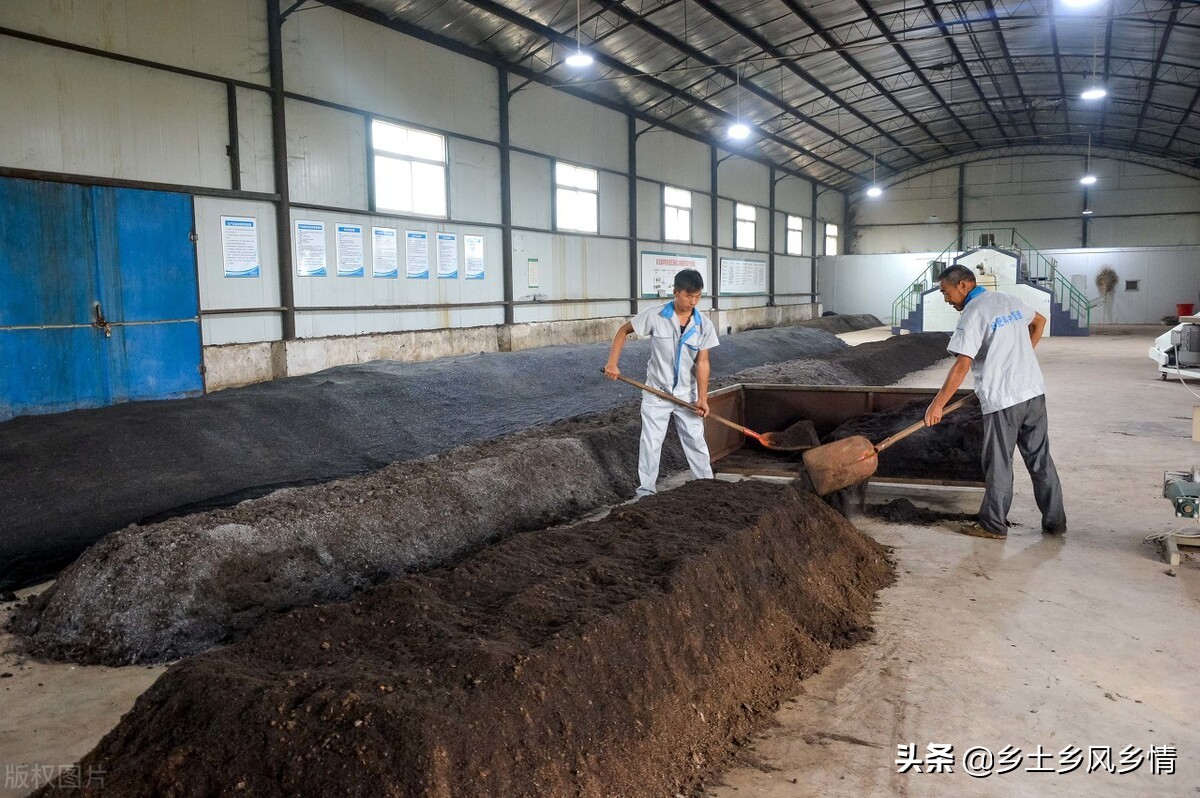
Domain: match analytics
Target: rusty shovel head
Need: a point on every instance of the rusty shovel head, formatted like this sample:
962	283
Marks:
841	464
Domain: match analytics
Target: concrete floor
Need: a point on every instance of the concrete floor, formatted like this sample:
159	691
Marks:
1082	641
1089	640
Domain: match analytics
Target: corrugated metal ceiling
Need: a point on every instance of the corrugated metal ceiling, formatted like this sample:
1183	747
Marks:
831	86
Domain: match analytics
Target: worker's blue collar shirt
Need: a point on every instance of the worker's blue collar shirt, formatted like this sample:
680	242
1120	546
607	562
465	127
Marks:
976	291
669	310
673	350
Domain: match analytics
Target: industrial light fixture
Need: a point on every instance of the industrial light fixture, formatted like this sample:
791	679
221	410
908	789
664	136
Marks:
1088	178
738	130
874	190
578	58
1094	90
1087	211
1079	3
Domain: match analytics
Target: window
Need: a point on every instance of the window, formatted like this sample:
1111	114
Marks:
576	198
795	235
743	234
831	235
677	214
410	169
1131	285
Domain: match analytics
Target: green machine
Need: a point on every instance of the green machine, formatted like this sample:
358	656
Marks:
1183	489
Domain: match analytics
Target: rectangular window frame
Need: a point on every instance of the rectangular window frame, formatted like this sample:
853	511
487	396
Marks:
745	225
793	224
674	207
574	190
831	237
379	153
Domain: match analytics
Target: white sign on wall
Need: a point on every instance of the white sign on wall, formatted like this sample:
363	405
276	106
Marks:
416	254
310	249
474	252
239	246
349	241
741	276
447	255
659	270
383	252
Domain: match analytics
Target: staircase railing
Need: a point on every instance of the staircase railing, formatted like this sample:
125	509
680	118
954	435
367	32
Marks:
1037	268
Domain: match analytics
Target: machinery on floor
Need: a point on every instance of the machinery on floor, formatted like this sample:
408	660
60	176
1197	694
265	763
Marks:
1183	489
1177	351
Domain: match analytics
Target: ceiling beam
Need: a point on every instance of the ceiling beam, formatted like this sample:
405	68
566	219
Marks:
1162	49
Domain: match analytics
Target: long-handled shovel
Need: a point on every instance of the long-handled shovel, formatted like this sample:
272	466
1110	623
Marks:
849	461
763	438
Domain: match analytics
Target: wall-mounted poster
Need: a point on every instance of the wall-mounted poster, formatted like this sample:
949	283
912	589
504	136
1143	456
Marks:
416	254
740	276
659	270
383	252
531	270
239	246
310	249
474	252
349	241
447	255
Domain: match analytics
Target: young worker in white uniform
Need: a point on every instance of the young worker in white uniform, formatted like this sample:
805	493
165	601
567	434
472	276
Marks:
994	340
680	337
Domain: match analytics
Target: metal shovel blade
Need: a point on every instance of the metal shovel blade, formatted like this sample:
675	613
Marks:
841	464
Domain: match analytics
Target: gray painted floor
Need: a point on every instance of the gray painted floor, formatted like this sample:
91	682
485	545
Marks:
1085	641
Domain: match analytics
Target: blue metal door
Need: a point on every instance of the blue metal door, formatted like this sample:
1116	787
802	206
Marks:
98	297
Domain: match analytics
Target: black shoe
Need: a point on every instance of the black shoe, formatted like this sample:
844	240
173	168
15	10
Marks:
1060	530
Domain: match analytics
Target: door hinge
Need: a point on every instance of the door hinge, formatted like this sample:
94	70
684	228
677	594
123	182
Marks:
193	237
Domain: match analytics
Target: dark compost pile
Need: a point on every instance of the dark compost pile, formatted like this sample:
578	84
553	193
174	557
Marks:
621	657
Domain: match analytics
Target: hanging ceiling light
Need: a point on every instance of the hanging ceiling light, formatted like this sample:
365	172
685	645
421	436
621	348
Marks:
1094	90
874	190
578	58
1087	211
738	130
1088	178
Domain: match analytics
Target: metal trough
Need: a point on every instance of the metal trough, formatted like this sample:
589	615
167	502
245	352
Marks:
766	408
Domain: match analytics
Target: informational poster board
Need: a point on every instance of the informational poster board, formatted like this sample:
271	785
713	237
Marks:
531	270
348	239
416	254
383	253
659	270
447	256
473	245
310	248
742	276
239	246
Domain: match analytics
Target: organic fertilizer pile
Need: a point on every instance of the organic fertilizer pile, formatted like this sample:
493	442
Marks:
800	434
161	591
950	450
626	656
903	511
71	478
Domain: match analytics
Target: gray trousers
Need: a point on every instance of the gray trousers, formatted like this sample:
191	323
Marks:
1023	426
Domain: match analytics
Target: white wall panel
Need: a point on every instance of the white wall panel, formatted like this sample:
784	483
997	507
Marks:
1145	231
792	276
474	182
368	290
218	292
334	56
88	115
552	122
614	205
747	181
255	142
702	218
570	266
220	37
327	161
650	210
531	186
909	238
674	159
794	196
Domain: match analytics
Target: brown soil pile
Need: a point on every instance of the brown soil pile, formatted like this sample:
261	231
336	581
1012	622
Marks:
903	511
951	450
625	656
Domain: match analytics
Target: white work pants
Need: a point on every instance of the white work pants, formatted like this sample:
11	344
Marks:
656	414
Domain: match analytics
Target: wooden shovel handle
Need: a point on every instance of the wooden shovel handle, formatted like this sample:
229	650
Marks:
690	406
904	433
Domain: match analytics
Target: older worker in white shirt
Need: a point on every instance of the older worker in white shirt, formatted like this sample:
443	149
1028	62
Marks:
680	337
994	340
